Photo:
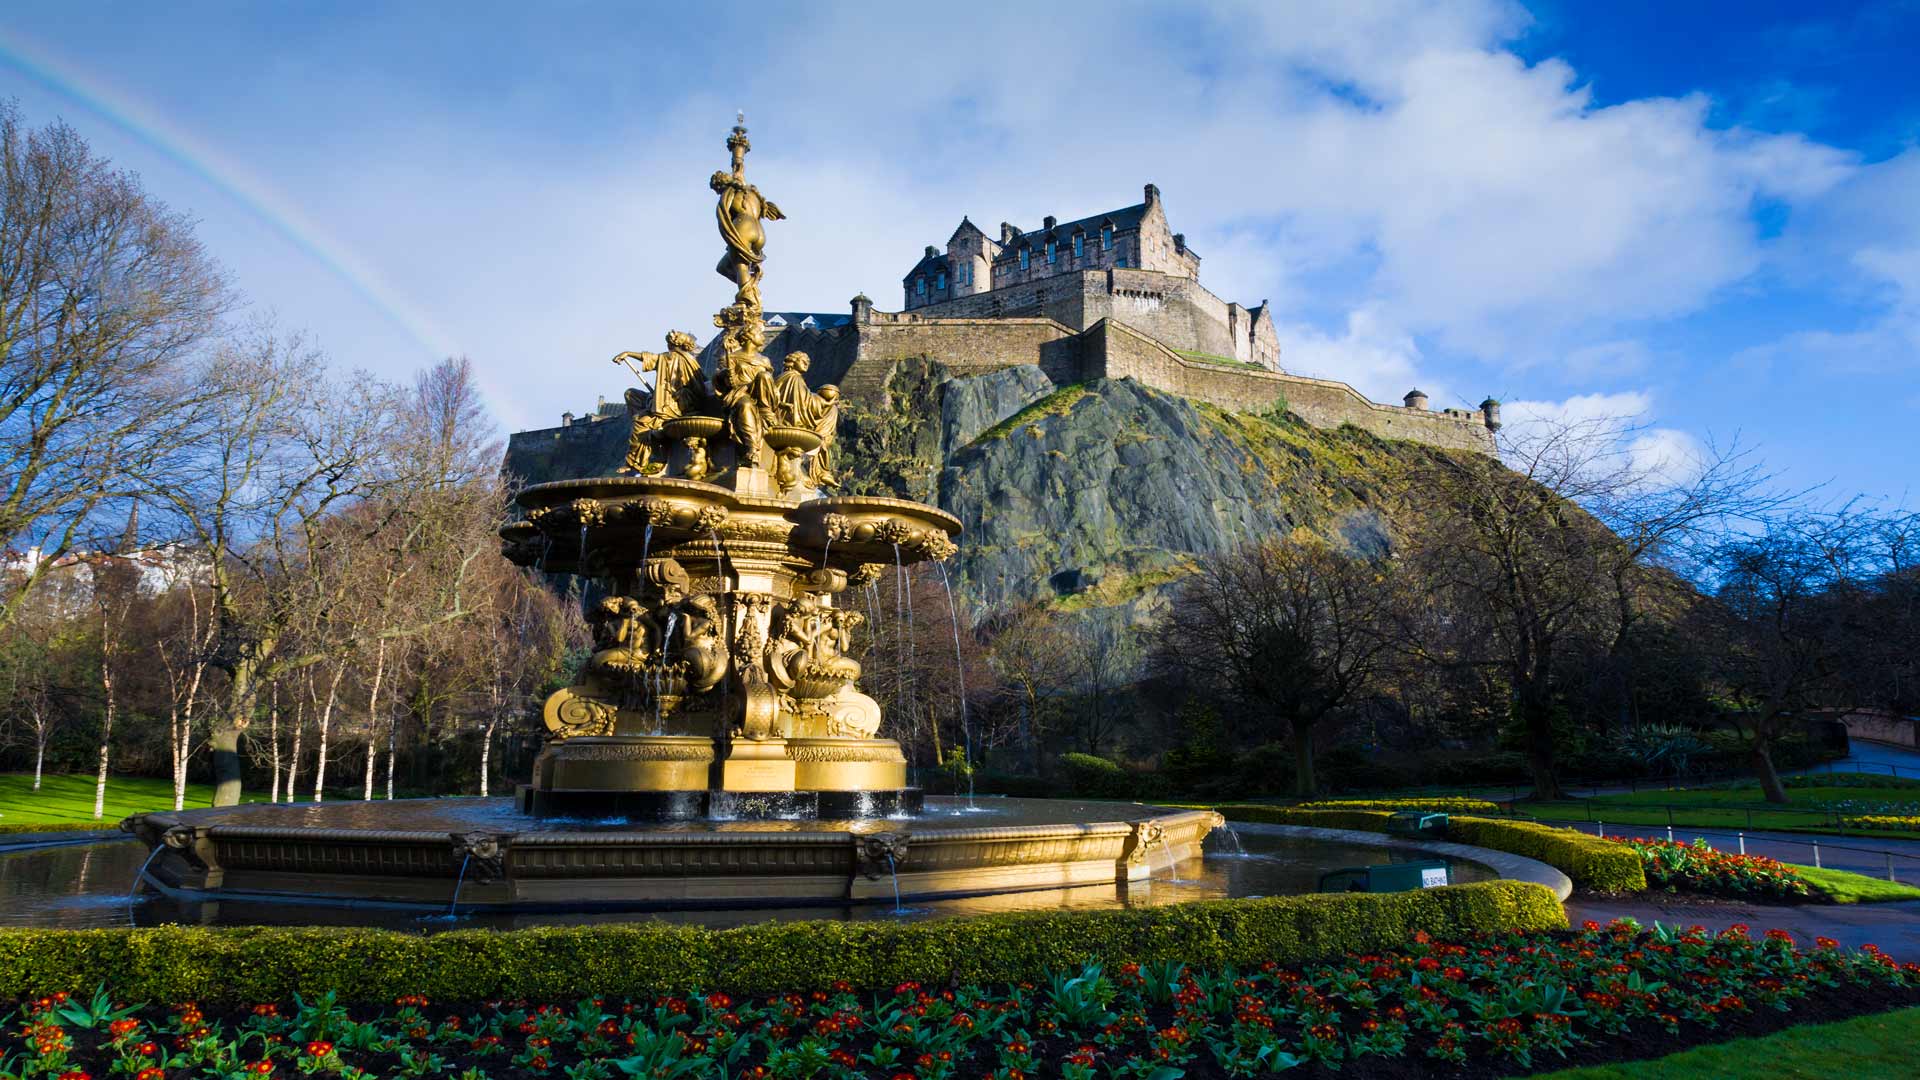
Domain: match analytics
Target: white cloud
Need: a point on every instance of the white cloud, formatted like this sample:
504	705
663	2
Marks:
1607	431
1374	356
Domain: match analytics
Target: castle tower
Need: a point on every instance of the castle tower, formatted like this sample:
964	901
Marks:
970	255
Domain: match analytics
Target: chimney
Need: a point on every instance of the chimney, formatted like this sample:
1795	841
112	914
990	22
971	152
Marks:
1049	223
1416	399
1007	233
1180	242
1153	194
930	251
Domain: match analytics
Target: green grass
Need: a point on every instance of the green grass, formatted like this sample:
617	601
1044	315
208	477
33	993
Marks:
1735	806
1219	361
1058	403
1843	887
69	799
1864	1048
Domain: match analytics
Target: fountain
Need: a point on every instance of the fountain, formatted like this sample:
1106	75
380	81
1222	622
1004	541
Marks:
716	743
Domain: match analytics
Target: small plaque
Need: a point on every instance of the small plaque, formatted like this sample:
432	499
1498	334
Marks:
1432	877
758	776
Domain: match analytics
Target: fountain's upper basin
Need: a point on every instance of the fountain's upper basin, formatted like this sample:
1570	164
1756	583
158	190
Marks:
411	850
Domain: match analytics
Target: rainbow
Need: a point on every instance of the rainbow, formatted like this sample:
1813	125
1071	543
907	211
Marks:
228	178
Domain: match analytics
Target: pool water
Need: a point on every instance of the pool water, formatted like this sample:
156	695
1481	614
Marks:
89	886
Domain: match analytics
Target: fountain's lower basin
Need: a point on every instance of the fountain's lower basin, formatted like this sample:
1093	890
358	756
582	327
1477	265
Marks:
416	850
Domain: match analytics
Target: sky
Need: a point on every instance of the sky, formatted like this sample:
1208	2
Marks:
1704	216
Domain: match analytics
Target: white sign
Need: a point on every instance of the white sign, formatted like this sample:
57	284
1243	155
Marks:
1432	877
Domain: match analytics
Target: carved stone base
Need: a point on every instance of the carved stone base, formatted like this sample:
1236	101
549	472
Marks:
624	763
758	765
847	764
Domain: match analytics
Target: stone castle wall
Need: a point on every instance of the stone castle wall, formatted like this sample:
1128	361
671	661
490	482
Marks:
1163	306
1116	351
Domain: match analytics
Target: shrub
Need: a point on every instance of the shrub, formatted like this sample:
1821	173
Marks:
245	964
1700	868
1450	804
1591	862
1099	778
17	828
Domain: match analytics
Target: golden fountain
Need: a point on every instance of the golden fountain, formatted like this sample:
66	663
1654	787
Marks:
720	694
720	666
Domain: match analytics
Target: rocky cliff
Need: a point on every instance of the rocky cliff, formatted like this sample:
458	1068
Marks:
1095	494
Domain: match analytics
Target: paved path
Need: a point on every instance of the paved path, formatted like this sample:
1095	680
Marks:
1895	928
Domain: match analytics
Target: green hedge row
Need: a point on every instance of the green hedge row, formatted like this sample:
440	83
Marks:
89	825
1592	863
255	964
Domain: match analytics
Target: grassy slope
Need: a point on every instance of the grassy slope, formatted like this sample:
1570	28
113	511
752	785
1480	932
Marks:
1731	807
66	799
1864	1048
1845	888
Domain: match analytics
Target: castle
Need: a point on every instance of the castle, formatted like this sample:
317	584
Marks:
1113	295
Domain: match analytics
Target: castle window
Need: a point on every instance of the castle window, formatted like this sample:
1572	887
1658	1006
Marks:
1079	246
940	280
920	286
1050	252
1106	238
1120	261
1026	258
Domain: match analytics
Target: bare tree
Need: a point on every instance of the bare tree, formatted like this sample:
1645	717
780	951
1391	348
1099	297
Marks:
1032	652
1291	628
1107	658
104	295
114	581
1791	596
1564	547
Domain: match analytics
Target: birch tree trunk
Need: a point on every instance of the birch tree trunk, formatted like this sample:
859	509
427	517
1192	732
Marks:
106	721
273	739
293	760
326	717
373	712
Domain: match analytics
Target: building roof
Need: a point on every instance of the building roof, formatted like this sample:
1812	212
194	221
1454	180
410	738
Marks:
1122	219
966	226
932	262
808	320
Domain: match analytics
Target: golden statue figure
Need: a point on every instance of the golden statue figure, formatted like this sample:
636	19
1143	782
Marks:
741	210
676	374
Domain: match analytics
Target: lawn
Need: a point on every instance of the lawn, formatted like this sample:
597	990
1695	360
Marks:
1818	803
1864	1048
1844	888
69	799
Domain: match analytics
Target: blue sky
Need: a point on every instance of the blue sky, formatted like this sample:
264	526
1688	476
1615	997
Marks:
1705	215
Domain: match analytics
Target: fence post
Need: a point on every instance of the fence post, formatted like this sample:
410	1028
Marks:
1600	829
1669	829
1743	842
1816	857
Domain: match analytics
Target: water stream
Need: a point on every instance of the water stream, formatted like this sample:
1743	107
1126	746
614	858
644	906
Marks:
960	678
660	674
453	905
139	878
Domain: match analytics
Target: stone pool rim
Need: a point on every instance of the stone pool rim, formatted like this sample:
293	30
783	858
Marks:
1506	866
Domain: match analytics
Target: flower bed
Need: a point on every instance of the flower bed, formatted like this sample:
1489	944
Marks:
1443	804
1902	822
1484	1007
1699	868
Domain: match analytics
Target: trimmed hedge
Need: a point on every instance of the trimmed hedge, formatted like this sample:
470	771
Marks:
1592	863
106	825
251	964
1453	804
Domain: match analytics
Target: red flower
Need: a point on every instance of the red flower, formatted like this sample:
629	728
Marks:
319	1048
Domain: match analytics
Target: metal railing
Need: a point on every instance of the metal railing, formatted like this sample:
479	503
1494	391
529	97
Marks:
1887	857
